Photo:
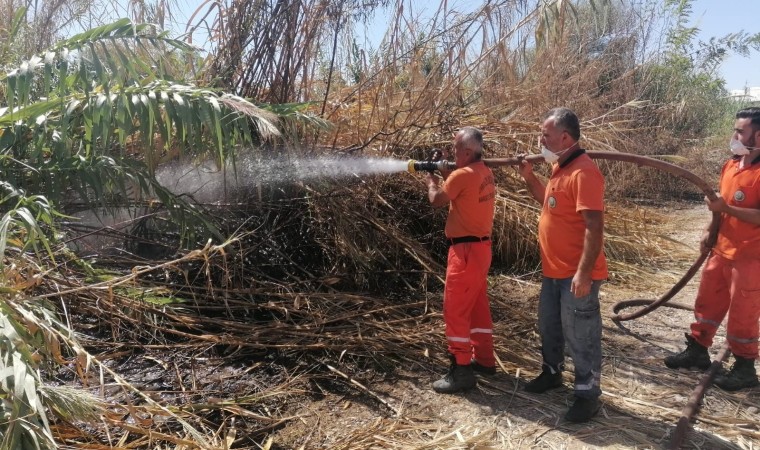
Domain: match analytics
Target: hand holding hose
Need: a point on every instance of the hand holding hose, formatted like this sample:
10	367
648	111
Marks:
716	205
435	156
524	168
431	181
707	241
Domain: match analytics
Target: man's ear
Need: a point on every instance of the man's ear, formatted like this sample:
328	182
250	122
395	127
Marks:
565	137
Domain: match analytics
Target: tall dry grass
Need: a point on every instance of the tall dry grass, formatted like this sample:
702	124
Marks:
500	68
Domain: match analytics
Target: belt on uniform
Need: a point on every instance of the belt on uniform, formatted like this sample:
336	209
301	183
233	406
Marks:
463	239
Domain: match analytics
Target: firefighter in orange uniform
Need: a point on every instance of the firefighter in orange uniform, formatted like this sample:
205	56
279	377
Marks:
470	193
731	277
570	234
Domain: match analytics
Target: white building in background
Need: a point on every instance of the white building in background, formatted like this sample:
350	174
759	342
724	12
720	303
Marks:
748	94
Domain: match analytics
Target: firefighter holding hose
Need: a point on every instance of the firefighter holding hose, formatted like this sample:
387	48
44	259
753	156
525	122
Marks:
470	193
570	234
730	282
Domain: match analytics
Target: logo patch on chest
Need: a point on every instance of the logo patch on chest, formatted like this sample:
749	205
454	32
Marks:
552	202
739	196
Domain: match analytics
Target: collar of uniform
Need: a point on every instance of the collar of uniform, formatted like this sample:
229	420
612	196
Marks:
471	163
572	157
738	158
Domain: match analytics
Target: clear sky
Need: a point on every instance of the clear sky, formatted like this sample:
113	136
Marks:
721	17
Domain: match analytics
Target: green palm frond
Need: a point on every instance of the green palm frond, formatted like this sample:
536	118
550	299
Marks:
97	113
298	113
23	219
122	52
99	82
25	423
90	120
31	338
96	122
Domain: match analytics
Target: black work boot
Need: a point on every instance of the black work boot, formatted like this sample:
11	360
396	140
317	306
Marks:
481	369
742	375
459	378
695	355
583	409
545	381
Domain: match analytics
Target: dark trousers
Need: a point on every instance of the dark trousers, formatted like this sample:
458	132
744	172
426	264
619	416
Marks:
577	322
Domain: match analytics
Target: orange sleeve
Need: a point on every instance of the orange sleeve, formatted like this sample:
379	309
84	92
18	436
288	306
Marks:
454	184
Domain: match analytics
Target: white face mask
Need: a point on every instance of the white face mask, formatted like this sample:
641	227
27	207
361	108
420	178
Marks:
550	156
737	148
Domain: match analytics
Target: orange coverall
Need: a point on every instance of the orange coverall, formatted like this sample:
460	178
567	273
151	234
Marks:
466	311
731	278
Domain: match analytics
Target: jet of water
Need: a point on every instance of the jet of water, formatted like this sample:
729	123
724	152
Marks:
206	183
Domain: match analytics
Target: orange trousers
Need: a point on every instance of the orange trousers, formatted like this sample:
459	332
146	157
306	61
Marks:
469	329
731	287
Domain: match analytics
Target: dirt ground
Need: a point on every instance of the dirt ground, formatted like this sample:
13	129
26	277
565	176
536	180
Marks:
642	399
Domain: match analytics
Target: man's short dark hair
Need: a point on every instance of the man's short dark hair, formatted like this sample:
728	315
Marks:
565	119
752	113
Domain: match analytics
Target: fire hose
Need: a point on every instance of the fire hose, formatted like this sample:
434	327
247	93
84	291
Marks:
649	305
